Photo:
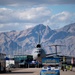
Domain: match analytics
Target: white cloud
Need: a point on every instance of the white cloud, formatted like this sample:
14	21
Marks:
11	19
9	26
30	15
60	19
28	26
20	19
33	13
5	15
63	16
1	25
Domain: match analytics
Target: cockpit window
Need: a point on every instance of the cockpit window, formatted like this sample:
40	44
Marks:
37	51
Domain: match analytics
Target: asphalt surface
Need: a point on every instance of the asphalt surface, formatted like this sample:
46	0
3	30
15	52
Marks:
34	71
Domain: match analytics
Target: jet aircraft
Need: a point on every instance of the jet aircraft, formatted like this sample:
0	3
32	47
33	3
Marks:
38	52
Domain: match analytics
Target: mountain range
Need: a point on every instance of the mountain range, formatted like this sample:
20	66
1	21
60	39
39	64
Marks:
23	42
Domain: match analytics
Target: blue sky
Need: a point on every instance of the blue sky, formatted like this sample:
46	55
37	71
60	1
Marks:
23	14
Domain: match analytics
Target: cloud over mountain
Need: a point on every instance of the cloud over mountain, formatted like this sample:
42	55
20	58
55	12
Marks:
11	19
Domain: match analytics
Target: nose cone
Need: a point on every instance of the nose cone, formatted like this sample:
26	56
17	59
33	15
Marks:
39	55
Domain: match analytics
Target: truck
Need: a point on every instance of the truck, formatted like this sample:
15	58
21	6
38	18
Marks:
51	66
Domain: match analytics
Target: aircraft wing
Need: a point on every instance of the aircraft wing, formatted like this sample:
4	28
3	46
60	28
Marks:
52	54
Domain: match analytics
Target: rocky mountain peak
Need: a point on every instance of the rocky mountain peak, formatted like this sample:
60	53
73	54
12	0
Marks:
24	41
69	28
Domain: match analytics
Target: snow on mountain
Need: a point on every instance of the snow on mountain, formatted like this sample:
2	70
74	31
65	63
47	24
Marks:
68	28
23	42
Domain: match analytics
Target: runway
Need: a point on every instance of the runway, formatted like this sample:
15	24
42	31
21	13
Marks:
35	71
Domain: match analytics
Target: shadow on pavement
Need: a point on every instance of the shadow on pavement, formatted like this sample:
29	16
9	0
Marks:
16	72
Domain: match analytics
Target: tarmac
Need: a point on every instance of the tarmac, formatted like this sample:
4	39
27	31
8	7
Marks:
34	71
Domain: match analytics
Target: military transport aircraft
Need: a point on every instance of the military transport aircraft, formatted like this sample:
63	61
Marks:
38	52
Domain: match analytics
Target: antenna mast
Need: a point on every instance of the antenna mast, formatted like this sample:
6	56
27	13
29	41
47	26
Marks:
39	37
